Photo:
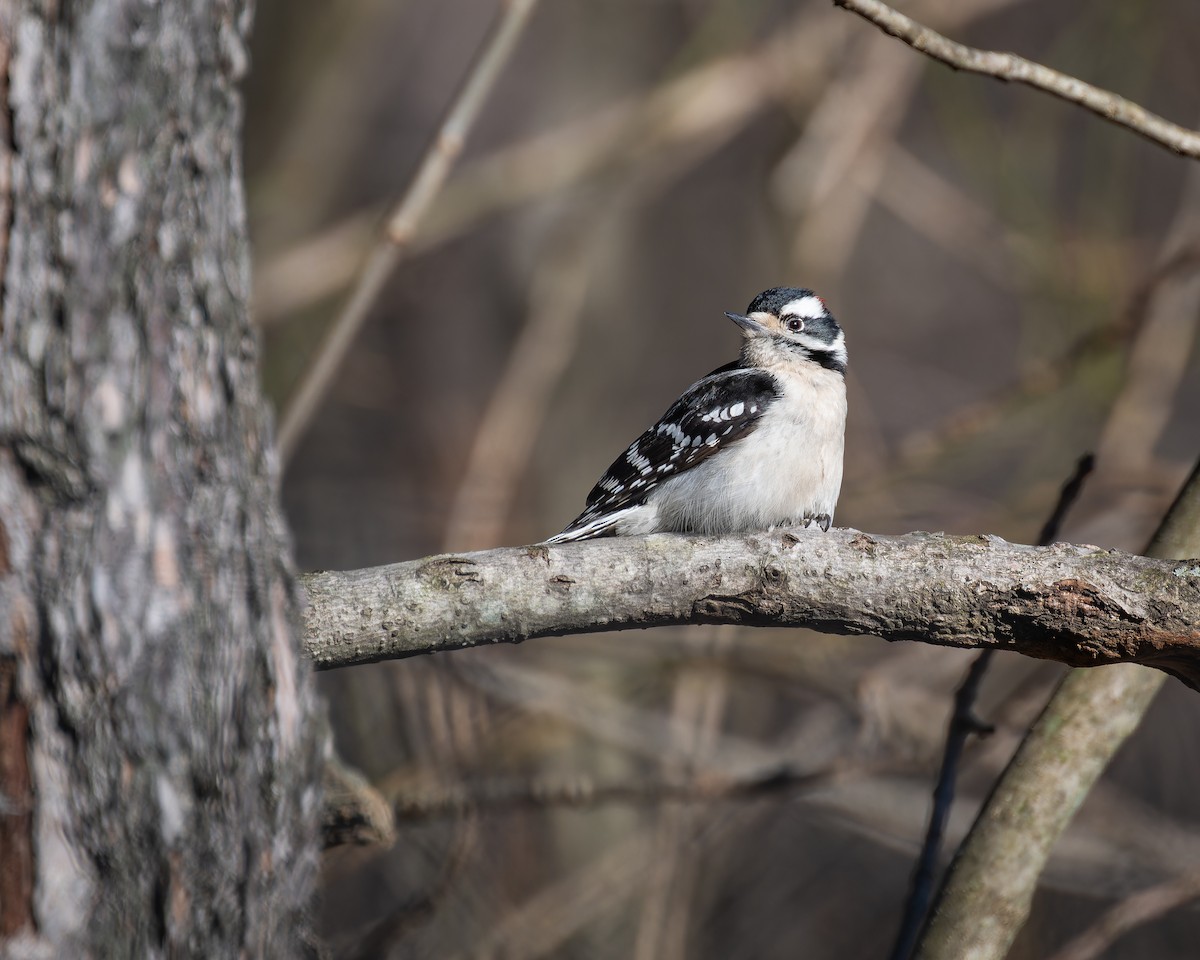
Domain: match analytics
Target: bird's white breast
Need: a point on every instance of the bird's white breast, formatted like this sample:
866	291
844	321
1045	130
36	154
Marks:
788	468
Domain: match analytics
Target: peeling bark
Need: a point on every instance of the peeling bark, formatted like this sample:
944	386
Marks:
1075	604
150	677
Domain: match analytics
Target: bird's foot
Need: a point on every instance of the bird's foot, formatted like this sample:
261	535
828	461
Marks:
822	520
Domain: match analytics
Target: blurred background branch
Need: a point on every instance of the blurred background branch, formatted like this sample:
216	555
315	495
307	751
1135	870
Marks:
1132	912
402	223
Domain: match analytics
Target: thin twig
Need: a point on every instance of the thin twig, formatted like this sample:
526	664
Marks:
1158	358
828	180
517	409
450	800
542	922
705	105
402	224
1010	67
944	213
1132	912
963	723
312	269
919	451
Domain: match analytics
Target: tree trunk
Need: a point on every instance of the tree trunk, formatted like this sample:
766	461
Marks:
158	756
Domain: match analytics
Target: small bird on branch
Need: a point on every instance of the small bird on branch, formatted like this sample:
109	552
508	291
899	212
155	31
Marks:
755	444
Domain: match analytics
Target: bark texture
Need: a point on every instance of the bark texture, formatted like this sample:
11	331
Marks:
158	763
1076	604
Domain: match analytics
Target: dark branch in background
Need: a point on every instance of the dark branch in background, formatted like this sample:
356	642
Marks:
963	723
1074	604
989	888
1066	499
1009	66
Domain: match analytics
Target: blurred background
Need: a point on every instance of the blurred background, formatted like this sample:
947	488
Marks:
1019	283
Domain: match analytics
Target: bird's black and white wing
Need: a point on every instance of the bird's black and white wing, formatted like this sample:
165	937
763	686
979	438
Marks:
715	412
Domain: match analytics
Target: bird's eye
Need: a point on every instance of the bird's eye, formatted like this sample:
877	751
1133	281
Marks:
794	324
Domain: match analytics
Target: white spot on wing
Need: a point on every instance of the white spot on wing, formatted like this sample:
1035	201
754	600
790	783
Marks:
640	463
672	430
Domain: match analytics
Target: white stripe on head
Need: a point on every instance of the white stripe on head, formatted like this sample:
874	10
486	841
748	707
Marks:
835	348
809	308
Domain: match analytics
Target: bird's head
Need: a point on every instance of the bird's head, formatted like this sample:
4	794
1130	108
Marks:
794	320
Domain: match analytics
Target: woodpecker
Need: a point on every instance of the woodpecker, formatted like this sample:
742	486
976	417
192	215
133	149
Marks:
754	445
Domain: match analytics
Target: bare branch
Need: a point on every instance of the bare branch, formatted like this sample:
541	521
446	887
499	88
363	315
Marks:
1132	912
1009	66
452	800
1075	604
403	221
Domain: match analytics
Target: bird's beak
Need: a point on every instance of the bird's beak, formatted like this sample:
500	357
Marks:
750	326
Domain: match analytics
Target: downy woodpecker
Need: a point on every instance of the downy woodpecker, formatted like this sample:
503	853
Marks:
755	444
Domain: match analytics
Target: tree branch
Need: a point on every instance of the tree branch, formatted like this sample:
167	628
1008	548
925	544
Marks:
1009	66
1078	605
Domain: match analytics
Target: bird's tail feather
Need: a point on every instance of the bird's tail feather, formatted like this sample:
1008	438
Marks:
587	528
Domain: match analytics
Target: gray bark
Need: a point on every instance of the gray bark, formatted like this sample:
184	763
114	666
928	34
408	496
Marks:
1079	605
158	761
